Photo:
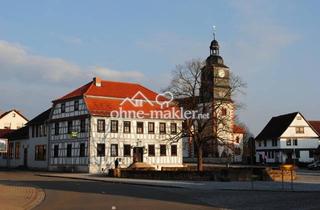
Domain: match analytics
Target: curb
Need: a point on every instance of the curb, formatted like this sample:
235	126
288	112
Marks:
112	181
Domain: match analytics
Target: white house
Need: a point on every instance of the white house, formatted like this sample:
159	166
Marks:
27	146
102	121
286	139
12	120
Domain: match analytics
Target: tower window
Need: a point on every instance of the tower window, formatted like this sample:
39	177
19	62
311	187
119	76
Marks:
224	112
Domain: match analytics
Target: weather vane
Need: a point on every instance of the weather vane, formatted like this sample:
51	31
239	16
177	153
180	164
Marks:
214	32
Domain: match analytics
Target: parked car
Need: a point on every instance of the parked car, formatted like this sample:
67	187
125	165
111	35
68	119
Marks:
314	166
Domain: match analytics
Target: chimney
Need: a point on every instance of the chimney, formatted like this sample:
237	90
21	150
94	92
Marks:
97	81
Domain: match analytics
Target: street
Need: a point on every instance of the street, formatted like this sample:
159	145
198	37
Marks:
61	193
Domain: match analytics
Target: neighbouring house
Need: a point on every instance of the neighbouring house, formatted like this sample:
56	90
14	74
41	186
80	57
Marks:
102	121
12	120
27	146
288	138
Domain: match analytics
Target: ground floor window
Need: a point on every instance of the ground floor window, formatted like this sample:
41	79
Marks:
101	148
40	152
114	150
163	150
310	153
82	152
126	150
173	150
17	150
69	150
10	152
151	150
56	151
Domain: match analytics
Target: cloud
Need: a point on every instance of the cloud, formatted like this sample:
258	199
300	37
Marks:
110	74
18	64
29	82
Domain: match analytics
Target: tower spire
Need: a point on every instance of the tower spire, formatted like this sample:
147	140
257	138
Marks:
214	46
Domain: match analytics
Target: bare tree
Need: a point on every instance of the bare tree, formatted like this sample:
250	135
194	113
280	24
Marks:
212	124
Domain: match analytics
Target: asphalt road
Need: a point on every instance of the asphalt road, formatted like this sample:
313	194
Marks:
75	194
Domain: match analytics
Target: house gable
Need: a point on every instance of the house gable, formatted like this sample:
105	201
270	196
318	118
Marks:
299	122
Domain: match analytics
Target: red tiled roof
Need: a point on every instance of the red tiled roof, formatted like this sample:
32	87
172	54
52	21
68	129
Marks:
315	125
76	93
238	129
103	99
104	107
113	89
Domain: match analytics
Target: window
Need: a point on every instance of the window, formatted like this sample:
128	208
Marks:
162	128
224	112
311	152
126	150
173	150
126	127
288	142
114	150
10	155
40	152
139	127
237	140
297	153
69	150
83	125
274	142
173	128
151	150
76	105
56	128
101	150
295	142
63	108
114	126
101	125
33	131
265	142
56	151
299	129
259	143
82	150
150	127
163	150
17	151
70	127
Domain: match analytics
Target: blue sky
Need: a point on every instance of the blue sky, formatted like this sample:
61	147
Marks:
48	48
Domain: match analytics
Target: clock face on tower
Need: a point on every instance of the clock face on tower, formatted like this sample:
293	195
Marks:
221	73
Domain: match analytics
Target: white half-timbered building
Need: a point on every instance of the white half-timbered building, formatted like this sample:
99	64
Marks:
103	121
287	138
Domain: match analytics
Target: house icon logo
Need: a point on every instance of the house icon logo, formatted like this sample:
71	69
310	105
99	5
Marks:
139	99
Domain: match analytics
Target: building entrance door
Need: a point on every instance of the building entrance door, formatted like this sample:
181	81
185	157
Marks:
25	157
138	154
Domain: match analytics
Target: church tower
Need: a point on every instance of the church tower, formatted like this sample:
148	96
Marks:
215	90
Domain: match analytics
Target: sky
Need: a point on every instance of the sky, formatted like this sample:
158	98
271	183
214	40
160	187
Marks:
49	48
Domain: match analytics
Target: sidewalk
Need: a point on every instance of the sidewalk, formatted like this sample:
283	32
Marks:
19	196
298	186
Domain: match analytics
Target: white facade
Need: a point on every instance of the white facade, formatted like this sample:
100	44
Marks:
297	143
12	120
76	143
